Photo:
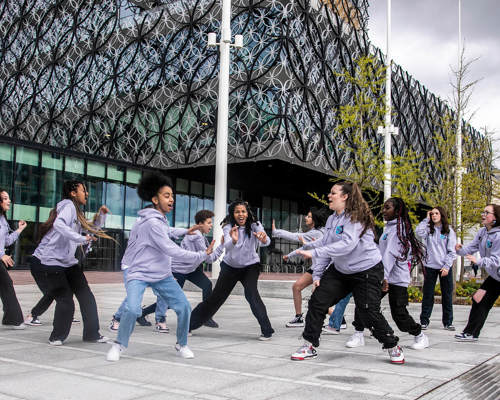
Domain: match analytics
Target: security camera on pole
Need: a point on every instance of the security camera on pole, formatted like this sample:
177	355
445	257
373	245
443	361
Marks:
222	121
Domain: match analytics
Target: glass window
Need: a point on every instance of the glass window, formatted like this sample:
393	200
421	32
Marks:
181	185
196	204
285	214
96	198
133	204
51	178
96	169
294	217
266	211
208	204
233	194
74	166
133	175
115	173
209	190
196	188
26	184
6	165
114	200
276	211
181	211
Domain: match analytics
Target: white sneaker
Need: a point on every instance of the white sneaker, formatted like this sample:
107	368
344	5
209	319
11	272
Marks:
29	320
19	327
306	351
396	355
421	342
56	342
184	351
356	340
114	352
329	330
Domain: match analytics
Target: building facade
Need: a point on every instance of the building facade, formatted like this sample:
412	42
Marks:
106	89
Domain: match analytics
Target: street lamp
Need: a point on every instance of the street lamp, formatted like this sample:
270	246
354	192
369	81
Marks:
220	197
458	145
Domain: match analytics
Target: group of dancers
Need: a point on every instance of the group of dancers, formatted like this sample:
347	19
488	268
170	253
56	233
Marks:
345	259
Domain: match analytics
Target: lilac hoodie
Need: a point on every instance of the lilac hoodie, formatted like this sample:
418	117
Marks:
440	247
7	237
59	244
342	246
396	272
195	242
244	252
150	250
488	245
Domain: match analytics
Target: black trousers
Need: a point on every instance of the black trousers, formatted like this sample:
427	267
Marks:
197	277
479	311
12	313
366	289
398	301
62	284
430	277
227	280
40	278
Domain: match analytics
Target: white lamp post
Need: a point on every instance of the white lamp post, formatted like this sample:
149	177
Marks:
222	121
459	170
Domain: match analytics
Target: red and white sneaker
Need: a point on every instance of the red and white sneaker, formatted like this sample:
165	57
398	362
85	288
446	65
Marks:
306	351
396	355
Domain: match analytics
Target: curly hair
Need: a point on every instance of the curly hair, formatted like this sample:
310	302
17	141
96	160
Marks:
202	215
445	226
405	233
151	183
229	219
356	206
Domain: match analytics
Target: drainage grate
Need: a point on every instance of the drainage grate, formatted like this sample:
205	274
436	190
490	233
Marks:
479	383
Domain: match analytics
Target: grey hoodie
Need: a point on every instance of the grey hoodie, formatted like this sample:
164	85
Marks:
488	245
195	242
7	237
244	252
342	246
440	247
59	244
396	272
150	250
309	236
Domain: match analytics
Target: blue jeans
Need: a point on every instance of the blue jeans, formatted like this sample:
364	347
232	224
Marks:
338	313
121	309
169	291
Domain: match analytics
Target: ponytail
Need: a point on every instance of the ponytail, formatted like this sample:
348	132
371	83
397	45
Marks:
356	206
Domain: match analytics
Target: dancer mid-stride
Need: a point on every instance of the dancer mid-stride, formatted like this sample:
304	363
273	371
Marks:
148	257
352	262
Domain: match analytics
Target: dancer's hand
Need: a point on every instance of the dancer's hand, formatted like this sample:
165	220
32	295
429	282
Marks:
429	214
478	296
458	246
8	261
471	258
307	255
444	272
273	226
234	234
385	285
315	284
21	225
261	236
222	239
285	258
103	210
90	238
193	229
210	248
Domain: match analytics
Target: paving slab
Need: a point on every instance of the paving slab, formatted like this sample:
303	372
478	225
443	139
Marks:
230	363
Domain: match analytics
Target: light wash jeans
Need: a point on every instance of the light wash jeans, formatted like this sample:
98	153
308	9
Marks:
169	290
338	313
121	309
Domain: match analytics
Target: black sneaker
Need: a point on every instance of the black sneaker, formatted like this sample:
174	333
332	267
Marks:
211	323
424	326
297	322
142	321
449	328
465	337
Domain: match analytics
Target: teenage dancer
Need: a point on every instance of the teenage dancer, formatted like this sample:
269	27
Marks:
12	314
315	221
55	256
440	240
487	242
400	249
243	235
352	262
149	256
161	325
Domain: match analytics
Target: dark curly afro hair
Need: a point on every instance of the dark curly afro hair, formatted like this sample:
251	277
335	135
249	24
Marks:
151	183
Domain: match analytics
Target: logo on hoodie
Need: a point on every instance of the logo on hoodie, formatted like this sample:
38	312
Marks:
442	236
489	243
384	236
339	229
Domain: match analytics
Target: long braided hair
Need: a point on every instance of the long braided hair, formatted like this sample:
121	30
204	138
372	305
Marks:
410	245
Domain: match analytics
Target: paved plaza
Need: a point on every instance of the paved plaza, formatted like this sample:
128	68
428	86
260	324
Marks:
230	363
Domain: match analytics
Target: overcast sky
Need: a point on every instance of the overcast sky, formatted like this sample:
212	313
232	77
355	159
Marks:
425	42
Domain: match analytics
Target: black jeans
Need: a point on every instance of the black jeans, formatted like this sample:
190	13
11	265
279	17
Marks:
446	282
12	313
62	284
39	275
366	289
227	280
197	277
398	301
479	311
